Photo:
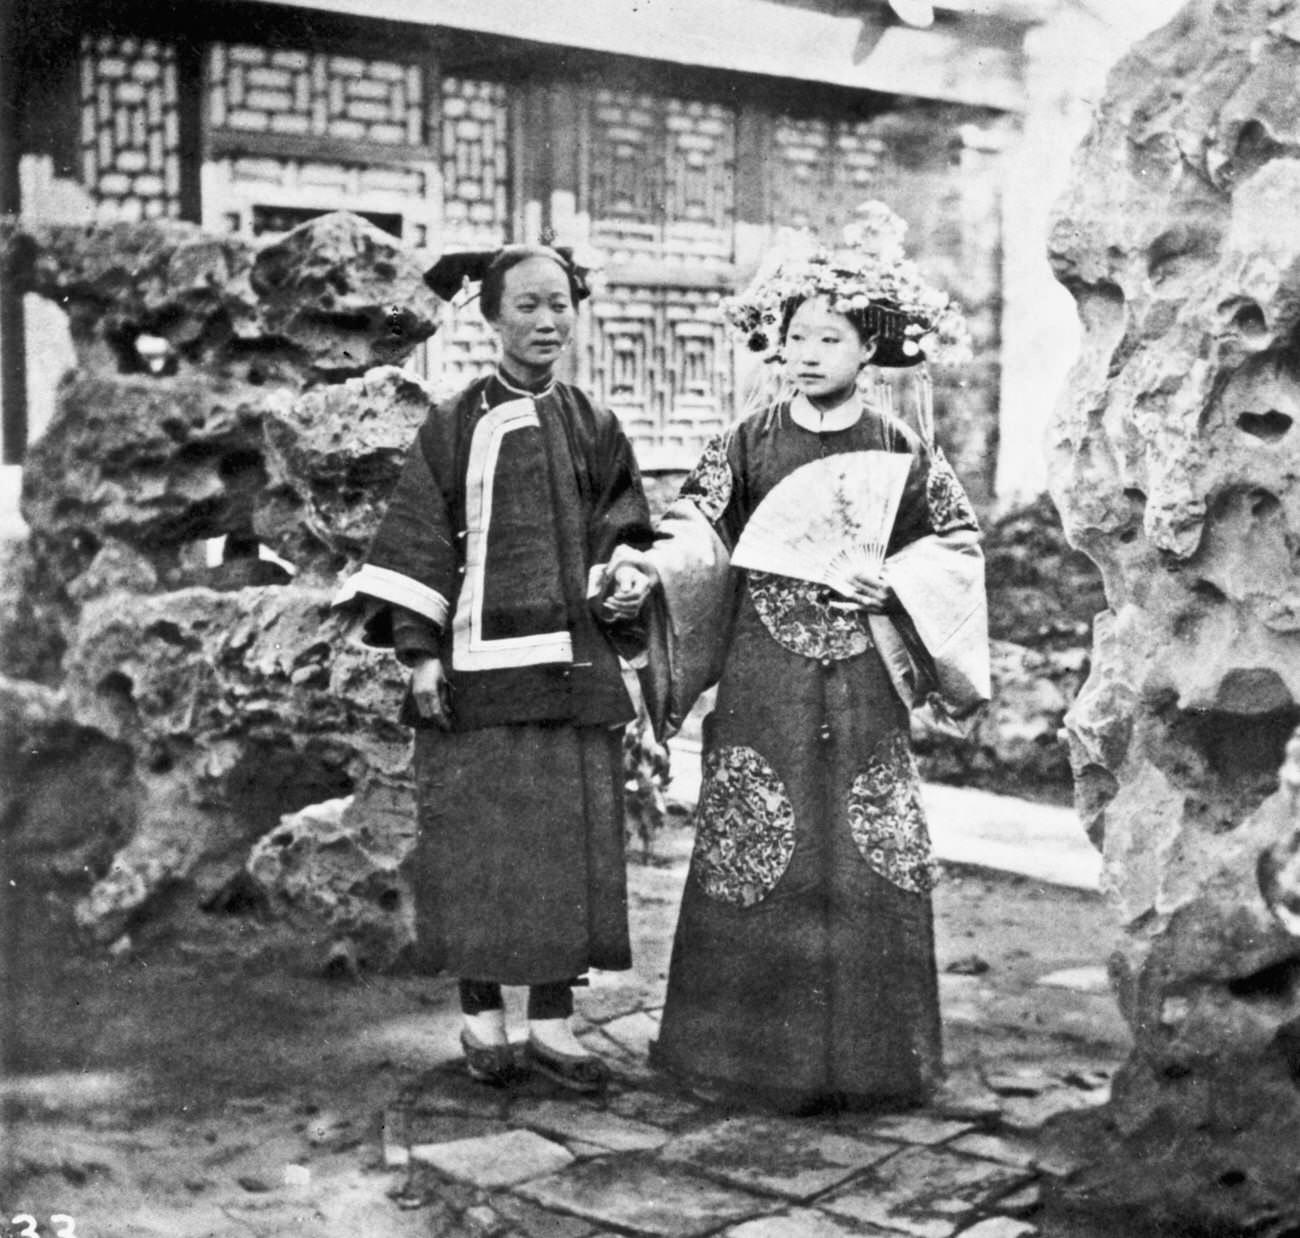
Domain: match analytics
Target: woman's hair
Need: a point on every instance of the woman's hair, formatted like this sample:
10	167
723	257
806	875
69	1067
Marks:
880	328
494	277
856	318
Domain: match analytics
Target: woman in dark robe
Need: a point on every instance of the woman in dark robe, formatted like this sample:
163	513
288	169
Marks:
803	969
486	576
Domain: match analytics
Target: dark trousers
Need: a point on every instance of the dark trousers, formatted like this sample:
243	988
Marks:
545	1001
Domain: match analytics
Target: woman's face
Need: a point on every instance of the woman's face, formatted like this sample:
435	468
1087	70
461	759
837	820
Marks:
823	353
535	319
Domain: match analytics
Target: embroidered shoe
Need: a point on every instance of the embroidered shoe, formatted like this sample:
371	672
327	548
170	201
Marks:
490	1064
579	1072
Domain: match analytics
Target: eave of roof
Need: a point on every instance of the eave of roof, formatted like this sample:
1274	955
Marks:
747	36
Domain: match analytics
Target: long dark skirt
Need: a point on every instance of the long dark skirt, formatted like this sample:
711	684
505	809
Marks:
518	868
803	967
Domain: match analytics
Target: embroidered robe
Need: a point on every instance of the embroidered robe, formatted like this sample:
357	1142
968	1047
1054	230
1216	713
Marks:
803	965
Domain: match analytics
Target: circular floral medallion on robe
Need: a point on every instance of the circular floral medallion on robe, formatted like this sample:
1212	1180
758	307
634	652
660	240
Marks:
886	818
744	828
798	615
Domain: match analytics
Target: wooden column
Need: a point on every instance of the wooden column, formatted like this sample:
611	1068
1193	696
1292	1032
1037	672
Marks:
14	18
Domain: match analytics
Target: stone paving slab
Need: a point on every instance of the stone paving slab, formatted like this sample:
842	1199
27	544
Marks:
1027	1113
923	1192
1000	1227
917	1128
584	1151
1023	1202
630	1069
797	1158
658	1108
447	1127
995	1148
806	1223
494	1160
588	1123
536	1222
634	1032
638	1192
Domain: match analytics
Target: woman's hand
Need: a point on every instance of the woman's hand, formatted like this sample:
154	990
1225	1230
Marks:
629	588
431	692
870	590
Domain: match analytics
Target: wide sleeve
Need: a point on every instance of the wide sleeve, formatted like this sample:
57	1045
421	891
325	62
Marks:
412	562
690	616
939	642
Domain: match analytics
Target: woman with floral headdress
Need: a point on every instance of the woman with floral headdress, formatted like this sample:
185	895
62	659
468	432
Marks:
513	495
822	563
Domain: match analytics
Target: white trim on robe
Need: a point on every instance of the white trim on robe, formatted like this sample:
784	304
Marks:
390	586
471	651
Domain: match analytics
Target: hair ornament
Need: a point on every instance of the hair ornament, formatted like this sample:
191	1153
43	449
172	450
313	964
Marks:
867	277
458	271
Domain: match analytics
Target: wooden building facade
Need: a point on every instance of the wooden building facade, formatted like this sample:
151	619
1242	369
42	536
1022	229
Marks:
677	160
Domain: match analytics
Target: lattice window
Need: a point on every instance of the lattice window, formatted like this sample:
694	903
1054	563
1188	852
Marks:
315	94
658	175
660	359
822	169
130	126
475	161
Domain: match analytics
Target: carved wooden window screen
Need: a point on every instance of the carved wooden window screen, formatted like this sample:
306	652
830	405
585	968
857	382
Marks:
296	93
130	126
474	157
656	175
821	169
658	356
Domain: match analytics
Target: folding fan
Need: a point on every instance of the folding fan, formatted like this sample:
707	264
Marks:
828	519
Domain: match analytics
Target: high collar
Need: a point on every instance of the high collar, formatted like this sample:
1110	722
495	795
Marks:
517	387
841	417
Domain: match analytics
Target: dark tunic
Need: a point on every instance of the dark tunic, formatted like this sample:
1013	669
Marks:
483	557
803	967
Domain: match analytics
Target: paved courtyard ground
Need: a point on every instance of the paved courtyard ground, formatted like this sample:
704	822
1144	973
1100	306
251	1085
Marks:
224	1088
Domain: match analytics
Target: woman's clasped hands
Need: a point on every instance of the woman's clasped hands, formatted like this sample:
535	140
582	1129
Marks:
629	580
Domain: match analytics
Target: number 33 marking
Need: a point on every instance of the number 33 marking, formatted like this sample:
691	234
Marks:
64	1225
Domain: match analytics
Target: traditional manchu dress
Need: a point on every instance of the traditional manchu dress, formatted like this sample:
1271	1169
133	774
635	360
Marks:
803	967
508	501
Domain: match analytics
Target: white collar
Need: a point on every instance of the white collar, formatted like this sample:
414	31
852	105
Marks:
841	417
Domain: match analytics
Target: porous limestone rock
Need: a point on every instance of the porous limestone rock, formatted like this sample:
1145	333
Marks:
332	457
67	793
218	393
344	294
335	869
237	708
156	463
1176	469
327	300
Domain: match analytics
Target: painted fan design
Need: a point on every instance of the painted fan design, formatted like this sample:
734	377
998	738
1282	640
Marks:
828	519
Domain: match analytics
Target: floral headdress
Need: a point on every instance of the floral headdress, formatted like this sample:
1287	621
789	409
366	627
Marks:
868	278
